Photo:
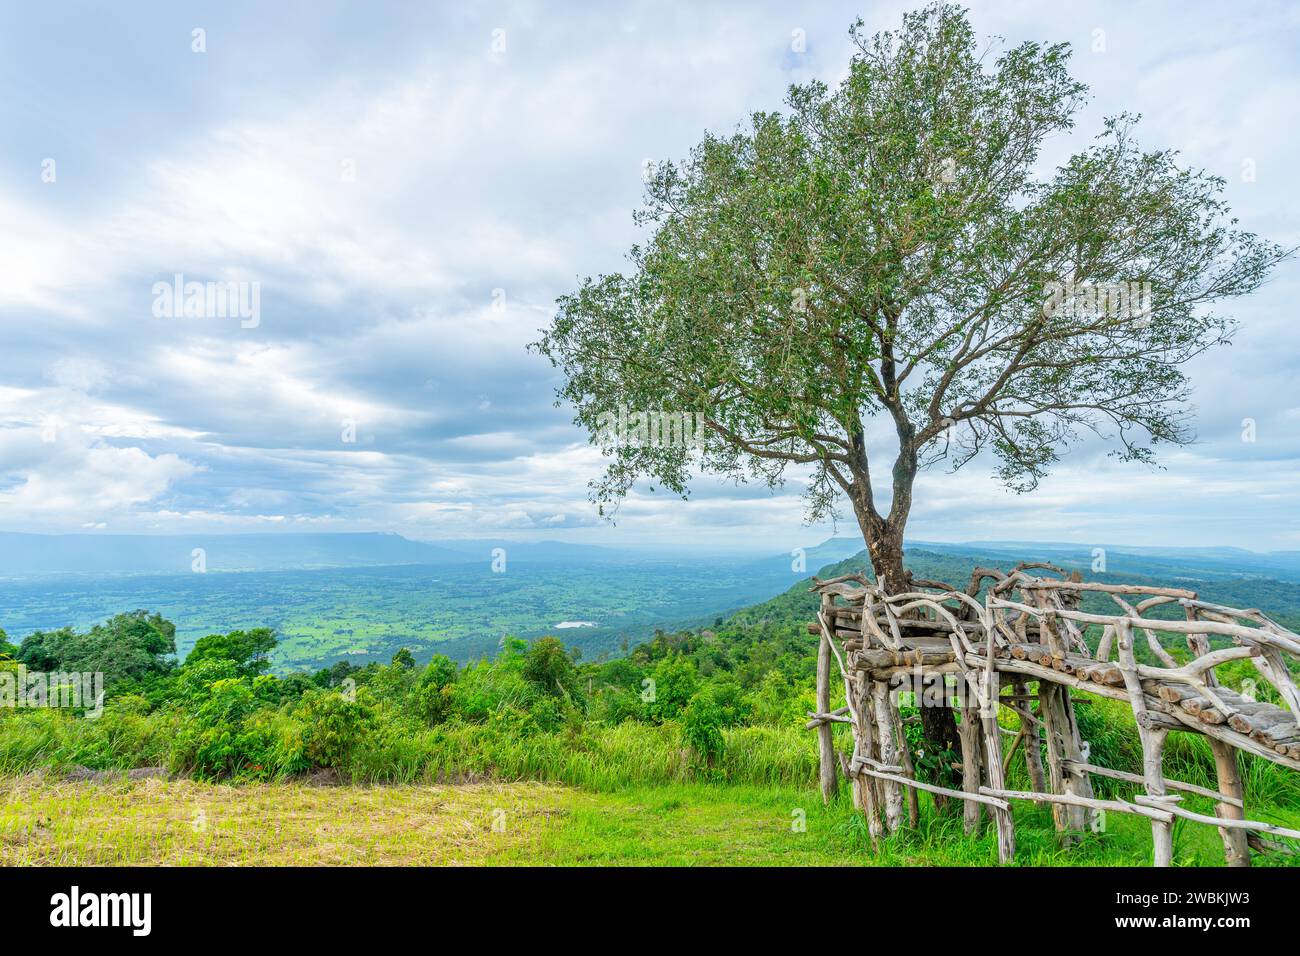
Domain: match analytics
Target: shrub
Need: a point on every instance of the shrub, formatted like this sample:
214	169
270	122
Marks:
702	724
333	727
613	705
432	700
548	665
675	683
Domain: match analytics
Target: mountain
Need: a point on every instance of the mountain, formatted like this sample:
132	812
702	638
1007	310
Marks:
41	555
803	561
25	555
1221	575
1205	563
548	552
361	597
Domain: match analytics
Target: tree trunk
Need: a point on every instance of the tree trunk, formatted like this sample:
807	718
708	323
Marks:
885	546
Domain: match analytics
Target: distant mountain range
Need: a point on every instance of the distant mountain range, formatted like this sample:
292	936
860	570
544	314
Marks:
38	555
24	555
1202	563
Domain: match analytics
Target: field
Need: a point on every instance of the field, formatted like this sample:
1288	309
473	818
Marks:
44	821
366	614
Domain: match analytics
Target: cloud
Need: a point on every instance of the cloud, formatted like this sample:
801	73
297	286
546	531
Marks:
410	204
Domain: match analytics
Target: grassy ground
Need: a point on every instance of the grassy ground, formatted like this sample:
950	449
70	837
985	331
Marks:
183	822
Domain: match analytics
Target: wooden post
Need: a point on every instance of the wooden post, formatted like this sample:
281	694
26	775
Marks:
864	794
871	740
888	753
1152	737
969	733
1063	744
1236	850
866	789
905	760
1055	750
1057	713
1002	819
1032	743
1153	749
827	770
1034	760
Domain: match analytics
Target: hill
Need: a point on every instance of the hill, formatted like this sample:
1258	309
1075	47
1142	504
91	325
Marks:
1245	584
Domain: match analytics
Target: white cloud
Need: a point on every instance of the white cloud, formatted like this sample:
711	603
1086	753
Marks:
517	173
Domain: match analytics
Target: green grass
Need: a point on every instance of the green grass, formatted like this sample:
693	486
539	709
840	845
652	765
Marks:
183	822
632	793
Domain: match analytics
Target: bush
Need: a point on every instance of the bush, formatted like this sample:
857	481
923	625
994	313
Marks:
675	683
432	699
613	705
548	665
483	689
333	727
702	724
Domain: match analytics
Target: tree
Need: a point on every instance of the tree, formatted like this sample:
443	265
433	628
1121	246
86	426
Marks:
127	647
702	723
44	650
334	727
886	251
248	649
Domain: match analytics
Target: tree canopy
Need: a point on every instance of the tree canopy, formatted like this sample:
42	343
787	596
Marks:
247	649
888	249
127	647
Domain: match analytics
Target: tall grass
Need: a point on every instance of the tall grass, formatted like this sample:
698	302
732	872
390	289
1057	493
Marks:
591	755
596	756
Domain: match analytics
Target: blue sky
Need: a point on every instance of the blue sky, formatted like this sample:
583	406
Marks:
411	187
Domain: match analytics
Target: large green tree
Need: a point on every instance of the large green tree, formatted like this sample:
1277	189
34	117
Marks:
886	249
249	650
127	647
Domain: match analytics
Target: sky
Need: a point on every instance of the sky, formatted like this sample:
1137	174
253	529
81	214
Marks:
410	186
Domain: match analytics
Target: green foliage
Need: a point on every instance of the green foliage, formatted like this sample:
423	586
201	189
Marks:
128	649
675	681
194	681
548	665
729	705
432	698
249	650
702	724
334	727
231	732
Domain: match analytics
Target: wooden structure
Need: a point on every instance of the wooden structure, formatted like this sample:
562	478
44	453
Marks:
1020	642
